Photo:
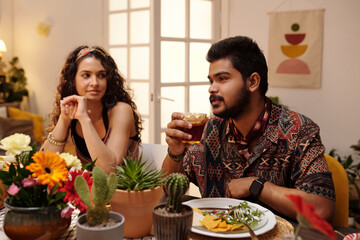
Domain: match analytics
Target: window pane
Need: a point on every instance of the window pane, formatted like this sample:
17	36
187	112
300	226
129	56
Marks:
118	28
141	96
168	107
199	67
140	3
200	19
115	5
140	27
120	57
163	138
199	99
145	133
173	18
139	63
172	62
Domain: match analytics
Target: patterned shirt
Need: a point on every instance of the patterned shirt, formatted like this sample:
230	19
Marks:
288	154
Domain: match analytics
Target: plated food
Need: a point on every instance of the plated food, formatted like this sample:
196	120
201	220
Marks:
265	224
234	218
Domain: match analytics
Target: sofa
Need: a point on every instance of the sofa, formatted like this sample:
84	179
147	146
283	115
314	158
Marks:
14	120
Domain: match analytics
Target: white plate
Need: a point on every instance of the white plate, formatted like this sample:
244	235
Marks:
267	222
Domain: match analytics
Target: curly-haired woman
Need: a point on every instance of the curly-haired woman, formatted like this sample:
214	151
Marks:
93	104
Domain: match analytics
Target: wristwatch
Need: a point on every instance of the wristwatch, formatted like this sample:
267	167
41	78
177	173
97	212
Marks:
256	187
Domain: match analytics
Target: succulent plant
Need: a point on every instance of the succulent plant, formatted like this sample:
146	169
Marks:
175	187
135	175
102	190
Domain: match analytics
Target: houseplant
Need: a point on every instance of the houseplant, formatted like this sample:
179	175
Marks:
173	220
33	184
139	190
353	172
15	87
98	223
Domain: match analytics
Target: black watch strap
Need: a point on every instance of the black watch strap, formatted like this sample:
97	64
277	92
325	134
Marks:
256	187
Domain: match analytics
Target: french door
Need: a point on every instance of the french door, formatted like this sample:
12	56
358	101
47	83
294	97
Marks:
160	47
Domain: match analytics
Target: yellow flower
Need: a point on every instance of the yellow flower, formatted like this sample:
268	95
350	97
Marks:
15	144
49	168
71	161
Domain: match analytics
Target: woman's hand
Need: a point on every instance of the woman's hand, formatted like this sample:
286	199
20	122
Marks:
74	107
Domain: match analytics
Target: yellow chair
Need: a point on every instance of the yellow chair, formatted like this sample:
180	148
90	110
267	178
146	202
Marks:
341	184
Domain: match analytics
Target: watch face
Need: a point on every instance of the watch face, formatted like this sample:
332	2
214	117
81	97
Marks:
256	188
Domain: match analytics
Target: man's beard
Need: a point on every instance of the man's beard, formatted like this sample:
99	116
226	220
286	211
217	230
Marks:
242	101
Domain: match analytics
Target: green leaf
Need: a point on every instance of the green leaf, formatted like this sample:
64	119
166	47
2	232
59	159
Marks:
89	166
12	171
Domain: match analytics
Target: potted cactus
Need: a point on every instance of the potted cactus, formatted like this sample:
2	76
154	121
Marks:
173	220
98	222
139	190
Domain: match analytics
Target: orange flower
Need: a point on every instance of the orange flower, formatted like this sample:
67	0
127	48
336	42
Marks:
307	213
48	168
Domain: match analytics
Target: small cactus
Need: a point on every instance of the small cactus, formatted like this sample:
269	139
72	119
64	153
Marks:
102	190
175	187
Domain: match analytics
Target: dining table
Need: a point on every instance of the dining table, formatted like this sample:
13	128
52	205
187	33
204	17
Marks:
282	226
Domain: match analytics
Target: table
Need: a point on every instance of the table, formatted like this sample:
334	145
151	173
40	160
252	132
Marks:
304	233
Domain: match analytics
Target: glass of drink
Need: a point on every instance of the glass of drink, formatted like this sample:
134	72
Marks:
198	121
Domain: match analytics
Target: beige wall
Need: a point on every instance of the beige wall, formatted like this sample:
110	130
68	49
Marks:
335	106
73	23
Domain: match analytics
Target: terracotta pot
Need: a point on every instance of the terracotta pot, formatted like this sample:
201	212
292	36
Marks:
84	232
27	223
137	207
172	226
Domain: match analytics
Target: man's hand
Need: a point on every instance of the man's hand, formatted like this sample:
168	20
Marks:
239	188
174	136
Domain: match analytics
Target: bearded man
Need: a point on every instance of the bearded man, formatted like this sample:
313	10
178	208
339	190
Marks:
252	148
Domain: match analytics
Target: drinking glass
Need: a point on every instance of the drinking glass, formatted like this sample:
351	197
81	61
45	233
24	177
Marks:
198	121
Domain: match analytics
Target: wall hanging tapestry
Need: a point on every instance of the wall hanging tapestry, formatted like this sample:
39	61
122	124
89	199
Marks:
295	48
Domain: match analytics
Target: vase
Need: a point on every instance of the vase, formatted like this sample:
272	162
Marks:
116	231
137	207
174	226
29	223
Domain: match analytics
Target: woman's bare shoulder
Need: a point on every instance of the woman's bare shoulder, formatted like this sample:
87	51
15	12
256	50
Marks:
120	108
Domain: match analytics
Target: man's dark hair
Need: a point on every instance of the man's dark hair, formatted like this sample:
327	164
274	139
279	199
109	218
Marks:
245	56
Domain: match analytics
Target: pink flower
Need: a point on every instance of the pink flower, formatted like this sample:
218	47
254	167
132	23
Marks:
13	189
29	182
66	212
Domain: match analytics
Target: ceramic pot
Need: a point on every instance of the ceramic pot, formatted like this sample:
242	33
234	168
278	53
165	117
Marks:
84	232
137	207
27	223
174	226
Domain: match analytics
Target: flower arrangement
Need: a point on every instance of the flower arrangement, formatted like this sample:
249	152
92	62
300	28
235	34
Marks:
40	179
307	217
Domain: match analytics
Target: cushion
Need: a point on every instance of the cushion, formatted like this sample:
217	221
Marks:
36	119
10	126
3	112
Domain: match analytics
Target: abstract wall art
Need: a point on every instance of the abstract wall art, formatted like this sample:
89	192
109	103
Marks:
295	48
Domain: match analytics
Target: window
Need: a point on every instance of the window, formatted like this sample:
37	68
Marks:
160	47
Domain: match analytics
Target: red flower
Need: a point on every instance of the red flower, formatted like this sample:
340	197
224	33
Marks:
307	211
69	187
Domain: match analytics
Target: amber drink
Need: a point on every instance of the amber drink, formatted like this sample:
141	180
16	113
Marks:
198	121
